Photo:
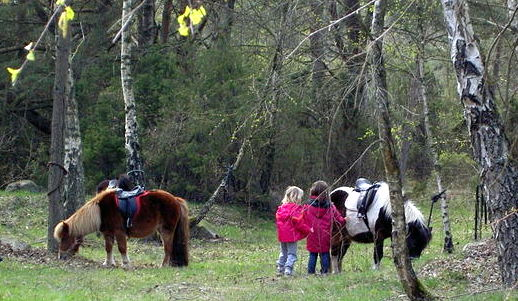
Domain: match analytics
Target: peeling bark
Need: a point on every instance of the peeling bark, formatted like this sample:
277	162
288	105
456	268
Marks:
490	146
134	161
413	288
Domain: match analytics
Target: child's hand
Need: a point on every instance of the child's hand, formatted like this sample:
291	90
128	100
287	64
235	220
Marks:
311	230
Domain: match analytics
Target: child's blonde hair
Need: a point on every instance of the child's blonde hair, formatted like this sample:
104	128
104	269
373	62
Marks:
293	194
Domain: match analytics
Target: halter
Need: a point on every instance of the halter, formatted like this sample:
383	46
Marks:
435	198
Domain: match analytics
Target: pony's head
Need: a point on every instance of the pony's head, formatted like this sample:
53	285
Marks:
418	237
418	234
68	244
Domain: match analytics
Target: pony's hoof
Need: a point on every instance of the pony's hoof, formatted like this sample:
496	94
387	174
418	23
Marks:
108	264
375	267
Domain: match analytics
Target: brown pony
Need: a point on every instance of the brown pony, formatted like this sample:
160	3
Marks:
159	210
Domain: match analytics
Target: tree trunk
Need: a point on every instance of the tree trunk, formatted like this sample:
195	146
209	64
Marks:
271	93
57	171
448	238
413	288
488	140
316	47
223	28
147	29
73	162
166	20
511	7
134	161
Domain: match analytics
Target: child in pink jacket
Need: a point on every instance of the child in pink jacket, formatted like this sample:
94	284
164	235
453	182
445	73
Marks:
320	215
290	228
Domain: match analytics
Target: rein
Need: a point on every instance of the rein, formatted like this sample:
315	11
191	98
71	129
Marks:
435	198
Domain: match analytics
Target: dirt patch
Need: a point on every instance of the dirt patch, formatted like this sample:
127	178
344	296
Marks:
40	256
478	267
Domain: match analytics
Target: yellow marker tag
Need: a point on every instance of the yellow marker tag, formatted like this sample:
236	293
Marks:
183	30
70	13
14	73
30	56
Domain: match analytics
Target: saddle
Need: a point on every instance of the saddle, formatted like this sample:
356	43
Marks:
128	203
367	192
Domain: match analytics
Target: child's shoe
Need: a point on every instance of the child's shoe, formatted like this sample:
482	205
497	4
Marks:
288	271
280	270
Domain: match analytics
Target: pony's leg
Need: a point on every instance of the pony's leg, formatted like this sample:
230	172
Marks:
345	246
378	253
122	245
337	254
108	246
167	241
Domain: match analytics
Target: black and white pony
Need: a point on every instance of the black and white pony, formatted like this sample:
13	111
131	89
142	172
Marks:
379	225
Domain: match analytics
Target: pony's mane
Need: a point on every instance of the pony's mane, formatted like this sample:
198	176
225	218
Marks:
412	214
86	219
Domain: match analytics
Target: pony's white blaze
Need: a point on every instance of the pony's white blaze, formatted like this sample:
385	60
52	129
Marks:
357	226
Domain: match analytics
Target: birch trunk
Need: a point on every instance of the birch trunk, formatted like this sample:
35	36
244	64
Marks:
448	237
134	161
73	162
499	175
413	288
56	169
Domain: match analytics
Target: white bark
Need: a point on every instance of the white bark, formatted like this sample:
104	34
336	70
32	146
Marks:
75	178
134	161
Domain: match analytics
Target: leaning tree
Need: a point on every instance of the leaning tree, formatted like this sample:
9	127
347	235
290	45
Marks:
490	146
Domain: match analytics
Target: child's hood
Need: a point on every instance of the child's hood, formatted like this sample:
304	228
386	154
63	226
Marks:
320	208
287	210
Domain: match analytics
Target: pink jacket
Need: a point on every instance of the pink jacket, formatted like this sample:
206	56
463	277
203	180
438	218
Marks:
290	223
320	217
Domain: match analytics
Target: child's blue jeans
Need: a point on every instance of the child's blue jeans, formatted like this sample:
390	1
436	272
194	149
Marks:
288	255
325	261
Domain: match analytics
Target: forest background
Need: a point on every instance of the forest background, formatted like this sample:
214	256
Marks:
250	73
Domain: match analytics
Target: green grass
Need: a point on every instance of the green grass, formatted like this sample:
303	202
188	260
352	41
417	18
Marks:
239	267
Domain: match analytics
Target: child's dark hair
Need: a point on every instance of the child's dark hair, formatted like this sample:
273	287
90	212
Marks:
319	189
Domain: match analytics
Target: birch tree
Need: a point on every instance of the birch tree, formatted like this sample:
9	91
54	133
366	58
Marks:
498	173
134	161
73	162
429	141
413	288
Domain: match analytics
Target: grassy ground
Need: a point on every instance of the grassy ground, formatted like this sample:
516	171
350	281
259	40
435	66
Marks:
238	267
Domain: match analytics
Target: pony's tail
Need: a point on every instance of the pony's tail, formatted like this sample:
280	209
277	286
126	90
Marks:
180	253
